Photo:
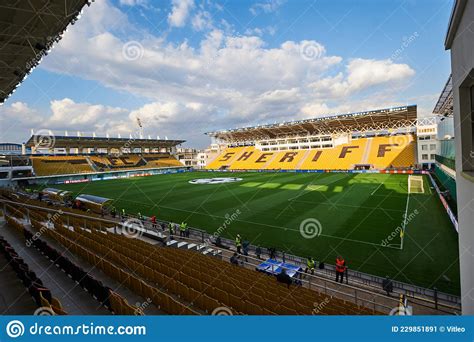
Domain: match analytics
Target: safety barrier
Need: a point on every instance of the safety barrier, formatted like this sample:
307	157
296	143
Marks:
364	289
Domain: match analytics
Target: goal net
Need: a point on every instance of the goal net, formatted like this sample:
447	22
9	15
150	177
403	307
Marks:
415	185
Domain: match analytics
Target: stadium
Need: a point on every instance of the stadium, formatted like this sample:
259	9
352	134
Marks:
340	214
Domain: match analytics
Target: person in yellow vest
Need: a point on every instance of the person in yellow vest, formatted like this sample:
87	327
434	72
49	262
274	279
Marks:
182	229
238	243
310	263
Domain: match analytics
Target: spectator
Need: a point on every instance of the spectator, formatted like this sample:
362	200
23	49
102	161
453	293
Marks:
245	249
258	252
272	253
113	212
234	259
187	231
153	221
284	278
387	285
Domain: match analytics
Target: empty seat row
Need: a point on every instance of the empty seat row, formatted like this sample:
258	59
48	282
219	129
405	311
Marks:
41	294
192	280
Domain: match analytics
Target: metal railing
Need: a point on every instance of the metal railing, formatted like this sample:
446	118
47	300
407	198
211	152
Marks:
364	289
361	297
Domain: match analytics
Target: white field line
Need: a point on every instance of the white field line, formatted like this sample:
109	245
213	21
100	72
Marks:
373	192
405	217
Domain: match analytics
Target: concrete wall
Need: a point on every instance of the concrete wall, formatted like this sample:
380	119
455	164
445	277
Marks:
462	62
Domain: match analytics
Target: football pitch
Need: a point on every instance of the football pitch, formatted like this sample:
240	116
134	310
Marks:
358	216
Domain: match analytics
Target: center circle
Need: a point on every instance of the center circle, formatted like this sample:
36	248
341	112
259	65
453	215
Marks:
217	180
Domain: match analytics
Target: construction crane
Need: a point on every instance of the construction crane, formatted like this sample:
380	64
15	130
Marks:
140	127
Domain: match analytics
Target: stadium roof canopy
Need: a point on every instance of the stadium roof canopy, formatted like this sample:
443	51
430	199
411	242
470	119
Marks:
380	119
444	106
54	141
28	30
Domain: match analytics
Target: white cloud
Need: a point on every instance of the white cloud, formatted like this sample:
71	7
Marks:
202	21
224	81
132	2
267	6
260	31
362	74
180	12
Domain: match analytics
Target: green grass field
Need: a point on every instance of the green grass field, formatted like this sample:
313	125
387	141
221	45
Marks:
356	212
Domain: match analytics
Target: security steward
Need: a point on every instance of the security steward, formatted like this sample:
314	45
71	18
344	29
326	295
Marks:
310	264
340	268
238	243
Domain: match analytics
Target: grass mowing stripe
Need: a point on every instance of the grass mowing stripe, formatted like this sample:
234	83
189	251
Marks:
341	207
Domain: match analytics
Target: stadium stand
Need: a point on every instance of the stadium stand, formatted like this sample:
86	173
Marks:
199	285
378	152
226	158
394	151
251	158
41	294
161	160
106	163
56	165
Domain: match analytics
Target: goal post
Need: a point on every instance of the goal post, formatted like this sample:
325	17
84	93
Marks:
415	185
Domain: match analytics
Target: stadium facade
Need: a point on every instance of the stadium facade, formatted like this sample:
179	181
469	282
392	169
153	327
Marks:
392	138
459	40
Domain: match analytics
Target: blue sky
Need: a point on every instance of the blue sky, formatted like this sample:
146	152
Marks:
185	67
